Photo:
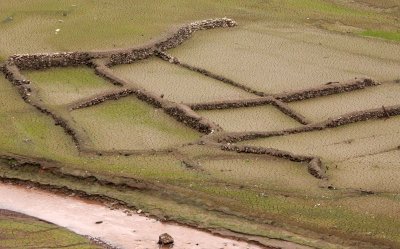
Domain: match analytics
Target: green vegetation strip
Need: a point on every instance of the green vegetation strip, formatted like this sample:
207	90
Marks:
20	231
388	35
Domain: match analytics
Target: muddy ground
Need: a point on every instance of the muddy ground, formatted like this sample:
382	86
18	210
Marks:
276	135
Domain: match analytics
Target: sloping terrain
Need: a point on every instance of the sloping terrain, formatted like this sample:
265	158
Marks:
283	132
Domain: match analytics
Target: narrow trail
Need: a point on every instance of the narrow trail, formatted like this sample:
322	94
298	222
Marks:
117	228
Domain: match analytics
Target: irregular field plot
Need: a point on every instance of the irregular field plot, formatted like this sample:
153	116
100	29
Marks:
262	173
261	118
58	86
129	124
24	130
20	231
379	172
176	83
320	109
340	143
277	60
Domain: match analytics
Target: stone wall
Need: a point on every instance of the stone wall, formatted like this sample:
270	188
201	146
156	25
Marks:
190	118
228	104
64	59
328	89
314	164
101	99
376	113
42	61
164	56
172	41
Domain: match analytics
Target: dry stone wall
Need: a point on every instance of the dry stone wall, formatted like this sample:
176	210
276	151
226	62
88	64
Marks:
172	41
43	61
101	99
314	164
328	89
65	59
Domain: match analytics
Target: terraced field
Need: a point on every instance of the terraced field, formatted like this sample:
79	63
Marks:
282	130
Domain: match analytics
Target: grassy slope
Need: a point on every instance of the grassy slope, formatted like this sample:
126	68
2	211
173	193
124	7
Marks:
65	85
106	25
130	124
24	232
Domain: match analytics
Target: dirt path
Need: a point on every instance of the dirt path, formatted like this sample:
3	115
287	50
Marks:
117	228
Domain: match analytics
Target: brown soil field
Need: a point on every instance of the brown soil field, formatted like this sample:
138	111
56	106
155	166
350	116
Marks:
340	143
274	60
177	84
220	126
262	118
321	109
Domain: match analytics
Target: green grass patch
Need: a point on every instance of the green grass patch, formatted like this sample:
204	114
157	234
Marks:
387	35
25	232
130	124
58	86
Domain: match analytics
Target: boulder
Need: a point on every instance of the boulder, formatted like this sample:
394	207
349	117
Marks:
165	239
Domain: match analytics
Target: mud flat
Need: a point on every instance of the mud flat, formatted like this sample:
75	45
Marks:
274	60
321	109
176	83
129	124
376	172
262	172
339	143
260	118
59	86
116	228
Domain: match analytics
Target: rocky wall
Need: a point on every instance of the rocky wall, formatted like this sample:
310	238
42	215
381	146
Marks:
187	116
229	104
314	163
43	61
328	89
101	99
164	56
64	59
172	41
377	113
284	108
13	74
